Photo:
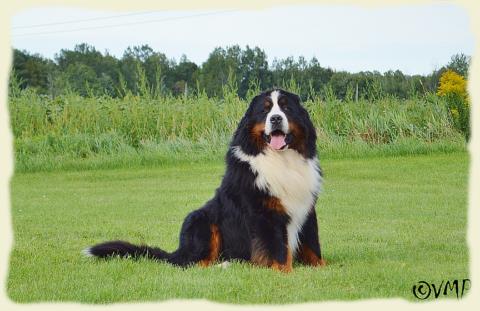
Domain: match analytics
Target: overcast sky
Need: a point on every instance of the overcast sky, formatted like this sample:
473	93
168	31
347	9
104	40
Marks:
414	39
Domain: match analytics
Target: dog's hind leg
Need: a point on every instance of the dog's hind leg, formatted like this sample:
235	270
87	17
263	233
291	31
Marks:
200	241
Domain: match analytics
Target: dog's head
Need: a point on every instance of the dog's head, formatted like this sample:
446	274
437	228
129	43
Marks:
276	119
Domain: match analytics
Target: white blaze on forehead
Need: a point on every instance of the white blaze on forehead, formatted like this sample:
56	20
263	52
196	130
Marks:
275	110
274	96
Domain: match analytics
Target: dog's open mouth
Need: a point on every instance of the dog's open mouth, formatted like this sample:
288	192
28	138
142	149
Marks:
277	139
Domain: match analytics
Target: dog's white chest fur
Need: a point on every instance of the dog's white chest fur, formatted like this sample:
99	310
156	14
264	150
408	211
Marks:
291	178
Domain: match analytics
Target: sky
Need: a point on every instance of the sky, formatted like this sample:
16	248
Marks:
416	39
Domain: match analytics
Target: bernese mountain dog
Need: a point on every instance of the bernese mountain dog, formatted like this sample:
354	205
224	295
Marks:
264	209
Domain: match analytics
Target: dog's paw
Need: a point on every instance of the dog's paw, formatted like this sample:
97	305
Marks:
224	265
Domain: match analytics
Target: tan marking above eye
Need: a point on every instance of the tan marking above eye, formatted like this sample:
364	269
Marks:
267	103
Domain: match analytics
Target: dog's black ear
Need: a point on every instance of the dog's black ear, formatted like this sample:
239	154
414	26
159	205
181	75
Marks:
256	99
297	99
241	135
244	120
294	97
253	102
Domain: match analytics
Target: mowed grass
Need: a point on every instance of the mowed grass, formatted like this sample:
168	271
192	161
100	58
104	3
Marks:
385	224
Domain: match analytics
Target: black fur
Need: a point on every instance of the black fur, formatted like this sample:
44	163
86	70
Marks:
238	206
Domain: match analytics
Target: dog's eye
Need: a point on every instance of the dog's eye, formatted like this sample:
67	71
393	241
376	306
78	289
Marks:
283	104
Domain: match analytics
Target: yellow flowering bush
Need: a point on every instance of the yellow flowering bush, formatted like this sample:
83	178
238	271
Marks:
453	87
452	83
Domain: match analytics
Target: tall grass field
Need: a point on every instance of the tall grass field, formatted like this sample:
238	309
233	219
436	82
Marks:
75	132
392	212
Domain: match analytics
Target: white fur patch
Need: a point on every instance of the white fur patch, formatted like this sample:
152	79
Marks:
291	178
276	110
224	265
87	252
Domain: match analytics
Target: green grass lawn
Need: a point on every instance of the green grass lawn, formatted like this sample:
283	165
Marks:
385	224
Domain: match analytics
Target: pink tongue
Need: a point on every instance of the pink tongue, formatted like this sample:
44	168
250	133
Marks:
277	142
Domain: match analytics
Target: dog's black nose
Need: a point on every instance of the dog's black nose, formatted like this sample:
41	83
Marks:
276	119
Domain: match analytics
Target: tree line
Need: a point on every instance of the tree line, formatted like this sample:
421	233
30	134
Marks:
143	71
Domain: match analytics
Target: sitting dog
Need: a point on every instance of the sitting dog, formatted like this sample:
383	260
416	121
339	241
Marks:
264	209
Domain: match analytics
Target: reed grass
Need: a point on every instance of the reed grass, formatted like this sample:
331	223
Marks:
71	131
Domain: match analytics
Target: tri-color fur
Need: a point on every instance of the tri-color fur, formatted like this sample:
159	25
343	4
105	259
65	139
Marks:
264	209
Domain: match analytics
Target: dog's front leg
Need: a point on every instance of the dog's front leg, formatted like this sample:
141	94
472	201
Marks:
270	244
309	251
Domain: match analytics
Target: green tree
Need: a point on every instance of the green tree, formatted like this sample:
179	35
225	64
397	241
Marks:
185	74
33	70
221	64
460	63
96	71
253	67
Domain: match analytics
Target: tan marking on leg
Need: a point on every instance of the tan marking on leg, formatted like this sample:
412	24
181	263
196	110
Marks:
215	244
284	267
259	255
308	257
262	258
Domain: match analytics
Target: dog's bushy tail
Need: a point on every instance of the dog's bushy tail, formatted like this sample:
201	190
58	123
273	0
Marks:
200	241
126	250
